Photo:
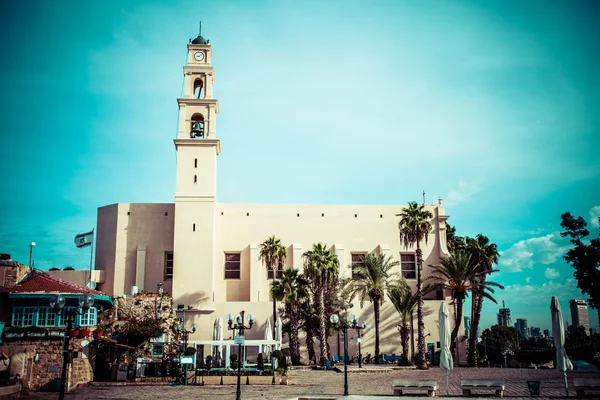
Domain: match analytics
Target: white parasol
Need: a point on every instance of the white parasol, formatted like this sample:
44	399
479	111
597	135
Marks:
446	361
558	333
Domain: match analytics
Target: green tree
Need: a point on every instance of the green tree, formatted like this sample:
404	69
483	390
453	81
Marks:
321	267
404	301
456	274
414	227
487	255
584	257
272	253
292	290
371	279
496	340
454	242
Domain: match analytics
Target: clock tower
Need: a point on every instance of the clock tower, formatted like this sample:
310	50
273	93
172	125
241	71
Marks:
195	193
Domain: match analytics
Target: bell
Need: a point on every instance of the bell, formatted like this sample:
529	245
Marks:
198	129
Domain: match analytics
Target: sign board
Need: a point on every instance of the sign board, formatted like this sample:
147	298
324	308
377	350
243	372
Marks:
53	368
186	359
239	339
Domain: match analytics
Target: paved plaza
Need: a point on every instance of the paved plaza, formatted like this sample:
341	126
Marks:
330	384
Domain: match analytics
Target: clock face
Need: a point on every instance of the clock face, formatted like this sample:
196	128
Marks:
199	56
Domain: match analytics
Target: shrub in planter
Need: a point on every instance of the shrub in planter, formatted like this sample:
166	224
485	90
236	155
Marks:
190	351
260	363
233	359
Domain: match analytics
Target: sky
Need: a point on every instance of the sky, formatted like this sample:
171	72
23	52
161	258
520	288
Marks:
491	105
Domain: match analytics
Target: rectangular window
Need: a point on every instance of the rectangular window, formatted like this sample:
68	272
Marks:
90	318
279	271
409	266
232	265
46	316
62	318
23	316
358	260
168	265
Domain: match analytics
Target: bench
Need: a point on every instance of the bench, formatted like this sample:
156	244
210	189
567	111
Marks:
482	384
401	385
581	385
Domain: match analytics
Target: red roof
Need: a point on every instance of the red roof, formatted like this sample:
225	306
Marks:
41	282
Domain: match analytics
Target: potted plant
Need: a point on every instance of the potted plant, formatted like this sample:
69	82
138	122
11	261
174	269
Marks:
74	333
85	331
100	329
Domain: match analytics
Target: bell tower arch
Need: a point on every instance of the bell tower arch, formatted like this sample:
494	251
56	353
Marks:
197	148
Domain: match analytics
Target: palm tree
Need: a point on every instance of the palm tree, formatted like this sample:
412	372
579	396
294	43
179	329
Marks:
292	290
455	273
486	254
272	253
414	227
454	242
321	266
404	301
371	279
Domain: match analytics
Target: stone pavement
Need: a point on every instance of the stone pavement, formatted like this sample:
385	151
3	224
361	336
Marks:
311	384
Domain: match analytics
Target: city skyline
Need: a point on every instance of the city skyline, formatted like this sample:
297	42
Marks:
491	107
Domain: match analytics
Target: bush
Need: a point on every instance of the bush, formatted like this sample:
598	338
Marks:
260	363
190	351
233	359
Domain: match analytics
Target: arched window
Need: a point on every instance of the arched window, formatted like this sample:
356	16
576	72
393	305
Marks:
197	126
198	86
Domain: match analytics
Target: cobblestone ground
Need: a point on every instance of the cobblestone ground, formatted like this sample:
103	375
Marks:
306	383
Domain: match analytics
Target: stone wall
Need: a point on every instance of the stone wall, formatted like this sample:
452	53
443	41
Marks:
12	272
44	362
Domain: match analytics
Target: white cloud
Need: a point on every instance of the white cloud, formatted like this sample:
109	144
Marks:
528	279
594	215
535	294
538	250
462	194
551	273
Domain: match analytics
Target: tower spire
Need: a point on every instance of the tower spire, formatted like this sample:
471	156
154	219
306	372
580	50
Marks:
200	30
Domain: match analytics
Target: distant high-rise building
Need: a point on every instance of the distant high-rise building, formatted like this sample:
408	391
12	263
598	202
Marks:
521	327
579	314
536	332
467	326
546	332
504	316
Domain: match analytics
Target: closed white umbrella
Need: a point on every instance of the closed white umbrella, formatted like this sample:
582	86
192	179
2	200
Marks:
217	335
279	331
558	333
268	336
446	361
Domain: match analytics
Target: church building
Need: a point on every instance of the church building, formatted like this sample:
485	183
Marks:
206	253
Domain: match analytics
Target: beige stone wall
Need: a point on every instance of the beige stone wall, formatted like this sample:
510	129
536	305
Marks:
11	274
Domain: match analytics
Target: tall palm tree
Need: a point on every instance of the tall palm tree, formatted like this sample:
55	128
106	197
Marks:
371	279
291	289
455	273
487	255
454	242
321	266
272	253
404	301
414	227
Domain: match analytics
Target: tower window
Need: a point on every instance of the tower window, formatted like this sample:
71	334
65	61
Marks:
197	126
198	86
168	265
195	163
279	274
193	227
195	178
358	260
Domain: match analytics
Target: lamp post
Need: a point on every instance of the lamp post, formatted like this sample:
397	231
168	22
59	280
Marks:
359	328
57	302
31	246
344	325
180	328
239	339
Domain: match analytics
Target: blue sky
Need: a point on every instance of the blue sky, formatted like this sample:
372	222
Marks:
493	106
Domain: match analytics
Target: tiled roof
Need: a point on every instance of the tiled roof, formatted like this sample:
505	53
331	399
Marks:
41	282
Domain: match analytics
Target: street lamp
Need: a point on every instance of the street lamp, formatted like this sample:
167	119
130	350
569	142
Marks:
180	328
344	325
359	328
239	339
57	302
31	246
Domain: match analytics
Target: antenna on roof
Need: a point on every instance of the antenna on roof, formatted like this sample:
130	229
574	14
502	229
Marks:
200	31
423	197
